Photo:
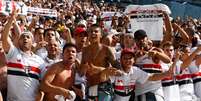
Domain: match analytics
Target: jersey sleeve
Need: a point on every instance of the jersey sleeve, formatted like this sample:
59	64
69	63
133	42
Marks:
141	76
42	69
13	50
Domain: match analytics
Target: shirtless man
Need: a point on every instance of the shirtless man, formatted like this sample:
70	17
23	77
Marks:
3	72
59	78
99	55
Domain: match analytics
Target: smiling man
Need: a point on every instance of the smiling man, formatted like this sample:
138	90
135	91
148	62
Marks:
99	55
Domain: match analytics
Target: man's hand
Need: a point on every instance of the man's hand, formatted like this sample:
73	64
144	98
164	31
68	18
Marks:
67	94
42	44
152	53
14	14
112	72
78	92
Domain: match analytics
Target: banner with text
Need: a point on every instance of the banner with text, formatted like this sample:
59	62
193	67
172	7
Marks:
152	26
7	7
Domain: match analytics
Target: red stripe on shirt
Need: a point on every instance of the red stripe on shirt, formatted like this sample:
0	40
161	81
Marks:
21	66
35	69
196	74
15	65
123	87
183	76
158	66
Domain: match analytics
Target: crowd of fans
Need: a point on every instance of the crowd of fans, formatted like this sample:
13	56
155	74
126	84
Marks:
74	57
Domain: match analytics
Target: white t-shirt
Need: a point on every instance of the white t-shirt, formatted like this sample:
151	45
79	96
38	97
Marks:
186	87
42	52
126	82
146	64
170	87
24	73
196	76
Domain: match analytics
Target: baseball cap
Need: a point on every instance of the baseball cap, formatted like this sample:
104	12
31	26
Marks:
82	23
127	51
140	34
80	30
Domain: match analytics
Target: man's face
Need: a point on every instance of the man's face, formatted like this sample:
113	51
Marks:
25	42
81	39
169	51
95	35
142	43
69	55
53	47
50	35
185	53
127	61
38	36
115	40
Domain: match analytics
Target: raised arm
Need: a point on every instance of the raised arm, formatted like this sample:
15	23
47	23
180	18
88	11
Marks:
170	72
2	55
17	32
33	23
6	41
184	35
188	60
168	29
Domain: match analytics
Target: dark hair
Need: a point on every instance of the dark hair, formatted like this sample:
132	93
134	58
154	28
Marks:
167	44
39	28
95	25
140	34
67	45
49	29
199	27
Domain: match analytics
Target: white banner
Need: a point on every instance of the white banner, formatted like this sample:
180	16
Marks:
152	26
7	7
147	17
154	7
42	12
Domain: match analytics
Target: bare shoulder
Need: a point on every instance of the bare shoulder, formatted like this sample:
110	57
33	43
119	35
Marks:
107	49
85	49
54	68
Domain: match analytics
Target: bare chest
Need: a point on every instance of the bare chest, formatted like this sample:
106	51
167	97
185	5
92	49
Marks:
64	79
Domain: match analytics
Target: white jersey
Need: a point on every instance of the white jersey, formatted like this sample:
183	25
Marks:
186	86
24	72
170	87
49	62
147	65
196	76
125	84
42	52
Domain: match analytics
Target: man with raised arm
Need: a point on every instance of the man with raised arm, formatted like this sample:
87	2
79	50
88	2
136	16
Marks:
24	67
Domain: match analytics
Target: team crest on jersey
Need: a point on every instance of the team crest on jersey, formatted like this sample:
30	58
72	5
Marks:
18	60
